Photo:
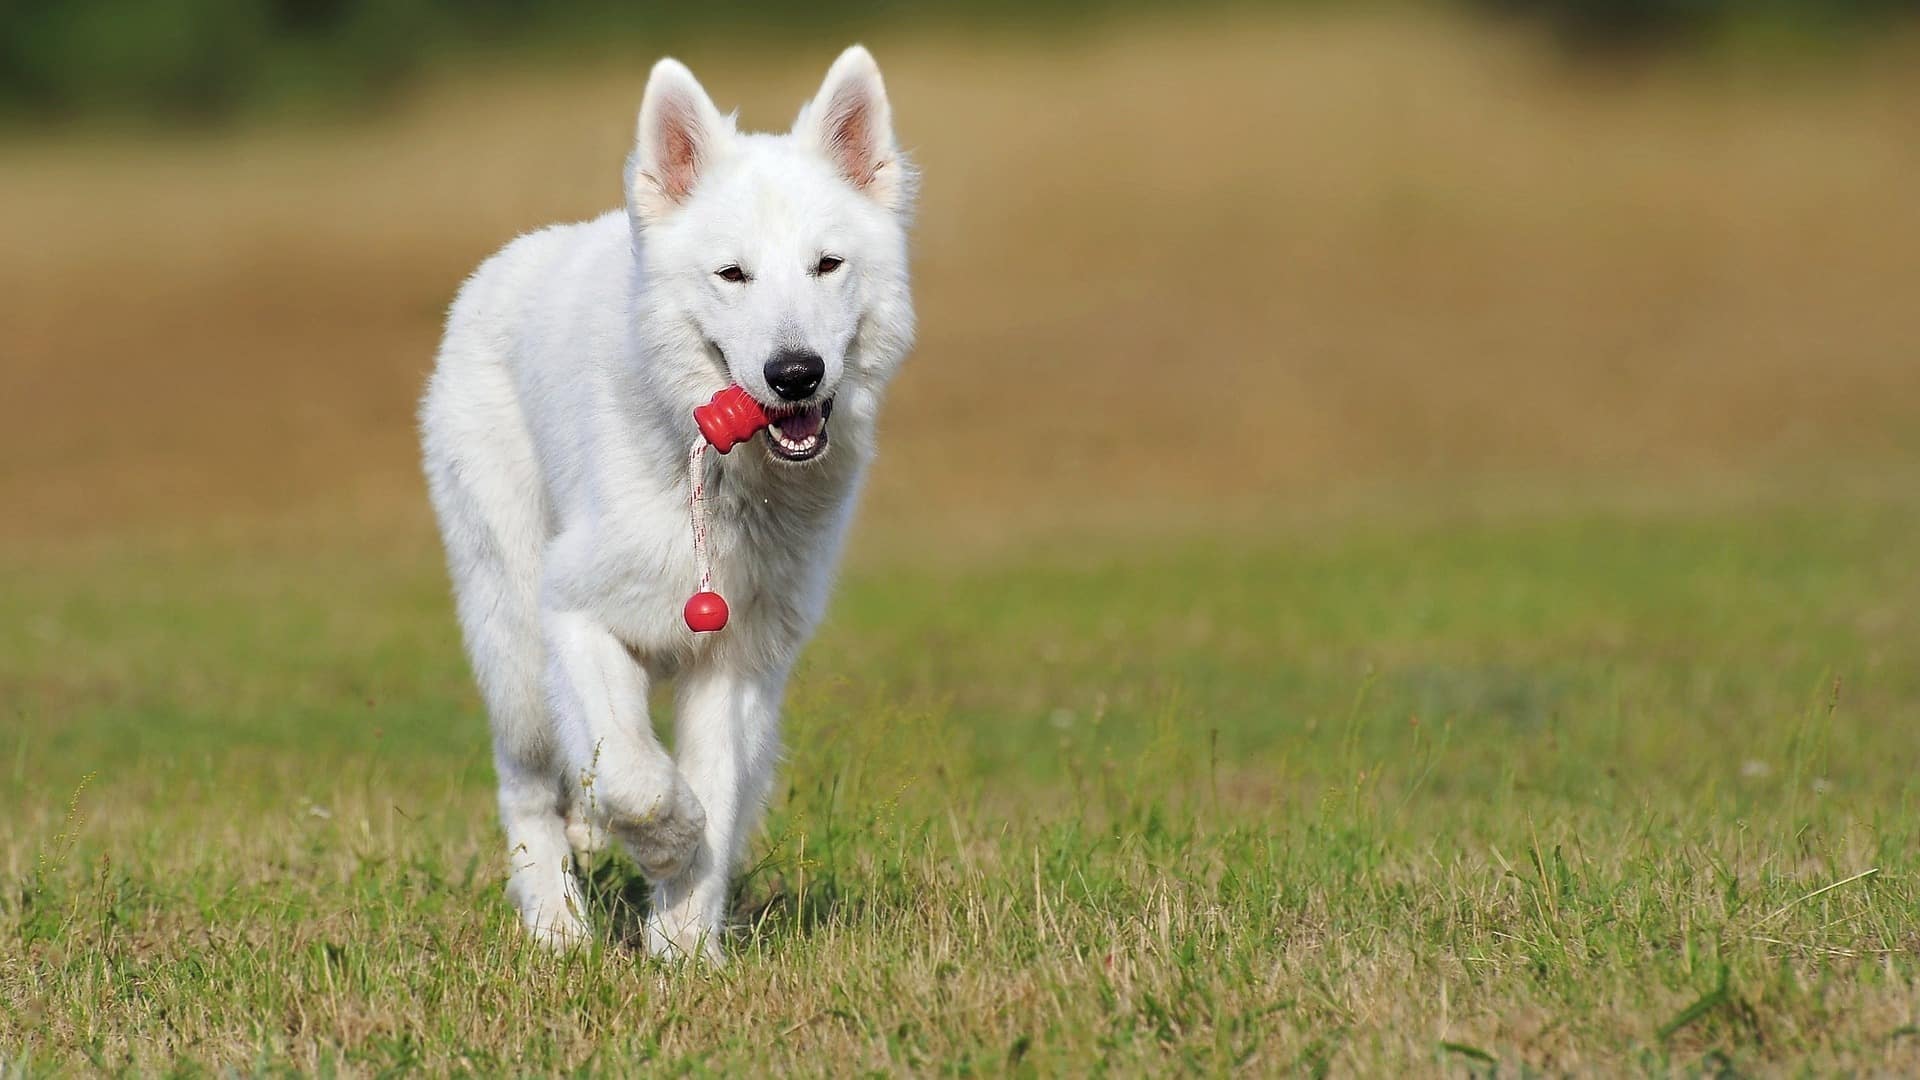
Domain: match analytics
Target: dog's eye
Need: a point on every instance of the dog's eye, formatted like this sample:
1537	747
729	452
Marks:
828	264
731	273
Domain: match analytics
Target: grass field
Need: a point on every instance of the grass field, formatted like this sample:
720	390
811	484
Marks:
1439	593
1581	792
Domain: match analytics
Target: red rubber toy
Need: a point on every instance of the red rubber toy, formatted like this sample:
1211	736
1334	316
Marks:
705	612
732	417
729	419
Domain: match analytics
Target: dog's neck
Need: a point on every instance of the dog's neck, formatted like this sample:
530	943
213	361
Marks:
746	481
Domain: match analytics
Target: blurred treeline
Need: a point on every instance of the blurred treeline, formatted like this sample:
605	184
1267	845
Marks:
1611	25
205	60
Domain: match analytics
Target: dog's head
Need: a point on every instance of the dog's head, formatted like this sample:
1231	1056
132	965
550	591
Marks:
782	258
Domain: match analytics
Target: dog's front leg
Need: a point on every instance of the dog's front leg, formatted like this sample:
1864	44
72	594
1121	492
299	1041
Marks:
626	778
726	725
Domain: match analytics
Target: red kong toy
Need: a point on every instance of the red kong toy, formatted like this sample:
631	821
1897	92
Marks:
731	418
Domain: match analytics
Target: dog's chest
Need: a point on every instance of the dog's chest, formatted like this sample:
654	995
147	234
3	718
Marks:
768	548
770	552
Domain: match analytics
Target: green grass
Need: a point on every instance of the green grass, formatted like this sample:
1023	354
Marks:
1594	792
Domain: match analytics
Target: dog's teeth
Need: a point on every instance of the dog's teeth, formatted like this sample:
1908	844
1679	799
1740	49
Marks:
796	447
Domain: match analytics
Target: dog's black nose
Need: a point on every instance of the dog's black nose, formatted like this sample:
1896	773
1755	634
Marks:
794	374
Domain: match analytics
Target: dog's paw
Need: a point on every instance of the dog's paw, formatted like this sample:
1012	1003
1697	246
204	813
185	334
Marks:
584	836
688	942
554	917
561	934
664	837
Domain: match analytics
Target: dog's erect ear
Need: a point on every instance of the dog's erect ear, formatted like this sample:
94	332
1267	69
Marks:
851	123
679	136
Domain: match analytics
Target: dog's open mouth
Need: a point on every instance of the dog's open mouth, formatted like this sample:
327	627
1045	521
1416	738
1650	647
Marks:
799	433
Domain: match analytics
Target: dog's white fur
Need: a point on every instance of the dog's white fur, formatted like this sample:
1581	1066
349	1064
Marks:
555	432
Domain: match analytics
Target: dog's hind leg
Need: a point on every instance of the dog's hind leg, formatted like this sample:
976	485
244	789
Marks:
542	885
479	470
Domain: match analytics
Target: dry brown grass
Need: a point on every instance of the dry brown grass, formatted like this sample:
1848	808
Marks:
1254	260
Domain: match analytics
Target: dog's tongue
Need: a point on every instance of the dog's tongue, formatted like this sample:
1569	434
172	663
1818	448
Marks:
801	426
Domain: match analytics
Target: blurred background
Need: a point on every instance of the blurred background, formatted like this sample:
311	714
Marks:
1177	267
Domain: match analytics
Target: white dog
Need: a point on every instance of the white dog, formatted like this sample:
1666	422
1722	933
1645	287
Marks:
556	431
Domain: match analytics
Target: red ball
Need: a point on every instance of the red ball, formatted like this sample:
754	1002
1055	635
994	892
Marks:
706	612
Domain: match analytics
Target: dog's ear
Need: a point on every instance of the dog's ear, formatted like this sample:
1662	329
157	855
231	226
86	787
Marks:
679	136
850	122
